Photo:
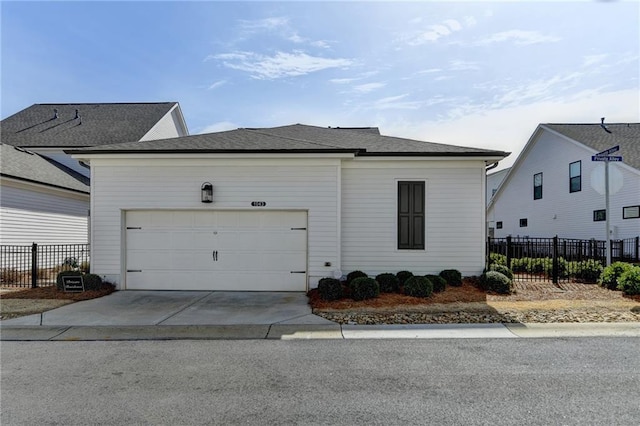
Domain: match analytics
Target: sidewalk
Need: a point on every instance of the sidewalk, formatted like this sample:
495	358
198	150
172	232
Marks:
315	331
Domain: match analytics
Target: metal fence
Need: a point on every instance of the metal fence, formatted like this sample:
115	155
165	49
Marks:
559	259
38	265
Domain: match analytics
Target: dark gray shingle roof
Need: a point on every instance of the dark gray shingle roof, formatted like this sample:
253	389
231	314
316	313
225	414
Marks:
99	124
24	165
595	137
294	138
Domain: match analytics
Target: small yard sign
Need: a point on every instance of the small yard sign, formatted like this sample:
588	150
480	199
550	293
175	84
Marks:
73	284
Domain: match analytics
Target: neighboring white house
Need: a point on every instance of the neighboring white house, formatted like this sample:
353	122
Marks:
44	193
493	182
290	205
554	187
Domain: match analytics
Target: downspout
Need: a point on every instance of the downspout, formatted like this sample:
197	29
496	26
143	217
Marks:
493	166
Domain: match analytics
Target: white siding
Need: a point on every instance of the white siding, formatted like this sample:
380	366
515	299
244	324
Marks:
168	126
559	212
120	185
33	215
493	182
454	221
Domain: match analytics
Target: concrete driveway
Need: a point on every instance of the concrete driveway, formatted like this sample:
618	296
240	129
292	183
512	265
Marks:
144	308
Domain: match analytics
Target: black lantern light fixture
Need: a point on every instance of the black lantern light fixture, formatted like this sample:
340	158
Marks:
206	192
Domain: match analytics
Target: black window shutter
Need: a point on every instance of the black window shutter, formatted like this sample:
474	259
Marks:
411	215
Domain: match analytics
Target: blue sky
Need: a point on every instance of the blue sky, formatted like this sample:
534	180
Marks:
468	73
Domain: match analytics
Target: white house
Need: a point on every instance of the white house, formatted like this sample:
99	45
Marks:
288	206
44	193
554	187
493	182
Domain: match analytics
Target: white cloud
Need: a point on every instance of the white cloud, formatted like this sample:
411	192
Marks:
263	24
217	84
430	70
433	33
395	102
593	59
368	87
518	37
220	126
321	44
343	80
458	65
279	65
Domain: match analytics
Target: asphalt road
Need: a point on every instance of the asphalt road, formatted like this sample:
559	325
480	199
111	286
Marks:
586	381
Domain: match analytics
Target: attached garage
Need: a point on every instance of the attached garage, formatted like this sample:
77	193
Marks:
216	250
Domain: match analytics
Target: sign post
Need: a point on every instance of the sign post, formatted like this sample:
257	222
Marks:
604	156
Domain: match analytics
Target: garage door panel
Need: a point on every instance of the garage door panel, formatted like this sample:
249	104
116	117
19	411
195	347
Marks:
227	250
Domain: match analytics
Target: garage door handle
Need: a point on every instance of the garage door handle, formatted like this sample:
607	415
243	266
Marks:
215	255
298	272
134	270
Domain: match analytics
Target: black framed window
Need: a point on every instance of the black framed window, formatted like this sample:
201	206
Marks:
575	176
537	186
599	215
631	212
524	223
410	215
499	225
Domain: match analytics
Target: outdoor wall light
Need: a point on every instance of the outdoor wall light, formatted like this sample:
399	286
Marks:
206	192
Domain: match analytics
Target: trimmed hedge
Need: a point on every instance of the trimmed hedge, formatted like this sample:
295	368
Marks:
418	287
611	274
92	282
439	284
452	277
495	281
403	276
355	274
364	288
388	283
589	270
330	289
503	270
629	281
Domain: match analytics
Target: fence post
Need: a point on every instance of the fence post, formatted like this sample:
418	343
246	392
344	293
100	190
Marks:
637	250
34	265
554	269
509	251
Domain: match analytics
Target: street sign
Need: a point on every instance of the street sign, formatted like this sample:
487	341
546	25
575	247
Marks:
608	151
606	158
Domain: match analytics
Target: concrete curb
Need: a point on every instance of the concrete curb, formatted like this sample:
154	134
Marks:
316	331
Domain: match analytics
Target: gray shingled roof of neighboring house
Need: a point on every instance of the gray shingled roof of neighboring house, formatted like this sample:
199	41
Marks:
294	138
627	135
27	166
97	124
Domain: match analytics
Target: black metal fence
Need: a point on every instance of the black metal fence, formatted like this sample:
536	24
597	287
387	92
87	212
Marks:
559	259
38	265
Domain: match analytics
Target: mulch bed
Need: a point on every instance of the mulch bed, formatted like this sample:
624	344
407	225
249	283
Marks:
53	293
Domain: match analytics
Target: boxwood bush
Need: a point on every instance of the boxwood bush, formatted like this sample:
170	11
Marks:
364	288
503	270
452	277
439	284
355	274
611	274
418	287
588	270
388	283
403	276
330	289
92	282
495	281
629	281
498	259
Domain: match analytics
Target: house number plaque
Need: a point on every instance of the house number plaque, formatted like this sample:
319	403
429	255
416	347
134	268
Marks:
258	203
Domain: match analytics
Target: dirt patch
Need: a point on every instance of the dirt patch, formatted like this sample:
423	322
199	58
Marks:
14	308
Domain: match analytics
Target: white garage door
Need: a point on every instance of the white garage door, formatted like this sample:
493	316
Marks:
223	250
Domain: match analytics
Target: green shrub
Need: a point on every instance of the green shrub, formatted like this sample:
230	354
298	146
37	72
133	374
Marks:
611	274
403	276
588	270
330	289
452	277
439	284
418	287
629	281
364	288
59	284
355	274
497	259
388	283
495	281
92	282
503	270
520	265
